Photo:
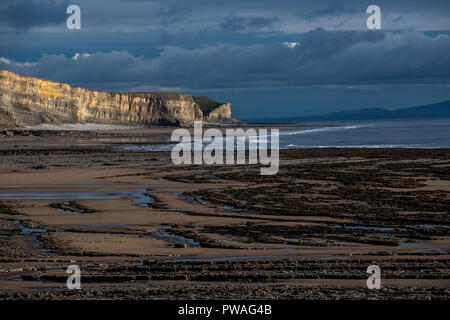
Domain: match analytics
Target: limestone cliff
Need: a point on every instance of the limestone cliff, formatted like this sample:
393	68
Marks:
27	100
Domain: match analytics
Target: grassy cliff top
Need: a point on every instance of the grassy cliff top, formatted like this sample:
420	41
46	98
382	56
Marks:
206	104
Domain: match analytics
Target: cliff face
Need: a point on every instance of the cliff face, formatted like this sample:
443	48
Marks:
30	101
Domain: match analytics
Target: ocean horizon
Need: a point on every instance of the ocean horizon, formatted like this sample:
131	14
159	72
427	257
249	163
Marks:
422	133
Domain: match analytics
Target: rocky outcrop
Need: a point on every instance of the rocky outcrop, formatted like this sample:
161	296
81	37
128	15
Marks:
220	113
28	100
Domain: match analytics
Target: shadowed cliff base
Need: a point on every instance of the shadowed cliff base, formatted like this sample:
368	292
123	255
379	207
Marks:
30	101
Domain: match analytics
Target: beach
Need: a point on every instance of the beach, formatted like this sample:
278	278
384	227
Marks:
141	227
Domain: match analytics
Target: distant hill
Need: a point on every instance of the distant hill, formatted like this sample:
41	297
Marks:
436	110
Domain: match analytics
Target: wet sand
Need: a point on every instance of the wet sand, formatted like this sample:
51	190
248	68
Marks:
140	227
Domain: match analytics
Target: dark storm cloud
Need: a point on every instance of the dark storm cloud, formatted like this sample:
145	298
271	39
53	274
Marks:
24	14
325	9
173	13
322	58
234	23
320	44
328	9
182	16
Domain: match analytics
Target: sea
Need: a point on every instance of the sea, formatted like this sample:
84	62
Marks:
424	133
417	133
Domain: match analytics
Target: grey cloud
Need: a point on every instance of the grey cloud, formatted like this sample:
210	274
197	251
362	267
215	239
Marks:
322	58
234	23
173	10
173	13
24	14
321	44
250	15
331	8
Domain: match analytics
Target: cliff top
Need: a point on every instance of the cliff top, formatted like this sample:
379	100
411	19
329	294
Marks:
206	104
162	95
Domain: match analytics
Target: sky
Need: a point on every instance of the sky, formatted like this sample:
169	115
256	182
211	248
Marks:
269	58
